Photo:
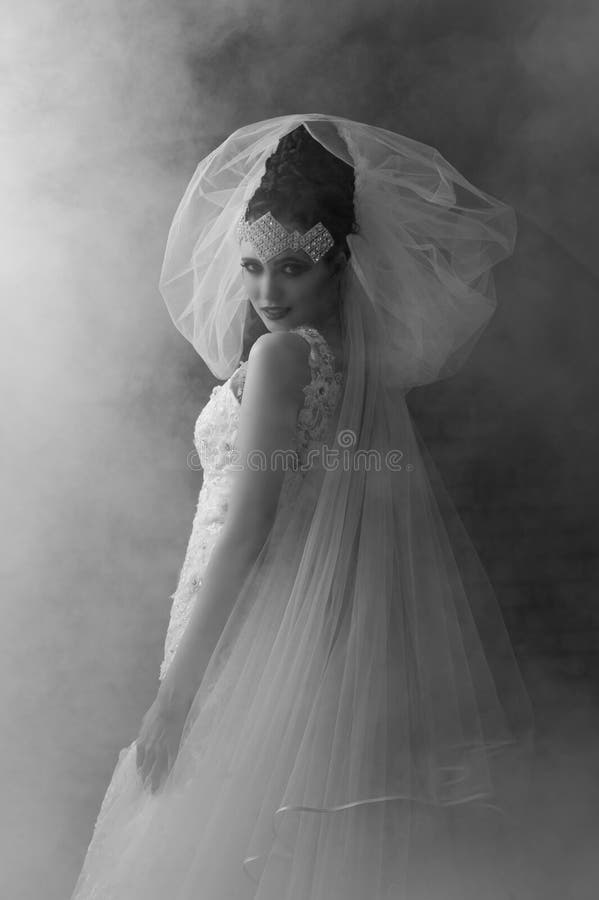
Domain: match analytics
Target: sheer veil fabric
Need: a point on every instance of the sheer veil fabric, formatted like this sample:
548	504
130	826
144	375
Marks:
362	731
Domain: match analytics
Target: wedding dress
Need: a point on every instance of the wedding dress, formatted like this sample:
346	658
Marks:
362	727
222	829
214	438
116	866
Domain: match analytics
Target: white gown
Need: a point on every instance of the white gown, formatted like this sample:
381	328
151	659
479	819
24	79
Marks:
215	434
253	808
113	869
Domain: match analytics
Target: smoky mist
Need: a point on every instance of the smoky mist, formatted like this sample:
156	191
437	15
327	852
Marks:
106	110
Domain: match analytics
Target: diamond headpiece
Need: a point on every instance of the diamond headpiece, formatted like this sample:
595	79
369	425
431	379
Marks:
270	238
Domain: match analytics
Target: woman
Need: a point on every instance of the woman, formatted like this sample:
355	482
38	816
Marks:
340	713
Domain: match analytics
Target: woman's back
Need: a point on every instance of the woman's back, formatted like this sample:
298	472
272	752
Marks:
215	436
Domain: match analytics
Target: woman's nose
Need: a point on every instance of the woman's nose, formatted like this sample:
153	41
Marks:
269	290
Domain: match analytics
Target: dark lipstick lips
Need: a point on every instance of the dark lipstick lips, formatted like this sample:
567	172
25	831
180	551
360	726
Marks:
275	312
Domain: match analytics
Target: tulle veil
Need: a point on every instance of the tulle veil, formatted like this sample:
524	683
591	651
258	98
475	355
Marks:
363	729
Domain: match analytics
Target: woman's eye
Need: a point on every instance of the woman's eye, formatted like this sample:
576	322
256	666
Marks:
250	267
254	269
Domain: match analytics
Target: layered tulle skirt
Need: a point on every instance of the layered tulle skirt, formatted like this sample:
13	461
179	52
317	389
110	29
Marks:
361	732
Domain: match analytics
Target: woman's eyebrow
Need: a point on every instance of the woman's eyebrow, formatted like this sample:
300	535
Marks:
294	259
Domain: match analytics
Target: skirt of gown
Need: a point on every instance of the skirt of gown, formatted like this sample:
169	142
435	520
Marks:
253	807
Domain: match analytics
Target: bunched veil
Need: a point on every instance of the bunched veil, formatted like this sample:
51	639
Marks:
362	730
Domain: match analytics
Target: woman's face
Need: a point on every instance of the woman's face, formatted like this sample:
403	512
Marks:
305	293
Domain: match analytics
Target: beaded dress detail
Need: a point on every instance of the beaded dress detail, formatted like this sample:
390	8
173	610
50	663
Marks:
215	434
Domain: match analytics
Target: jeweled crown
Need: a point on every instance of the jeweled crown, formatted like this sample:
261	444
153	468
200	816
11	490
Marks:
270	238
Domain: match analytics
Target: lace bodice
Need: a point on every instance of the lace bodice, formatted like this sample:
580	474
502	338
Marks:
215	436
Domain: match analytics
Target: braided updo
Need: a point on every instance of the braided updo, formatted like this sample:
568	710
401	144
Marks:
304	183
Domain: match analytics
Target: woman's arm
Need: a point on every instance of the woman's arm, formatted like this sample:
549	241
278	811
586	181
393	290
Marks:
277	371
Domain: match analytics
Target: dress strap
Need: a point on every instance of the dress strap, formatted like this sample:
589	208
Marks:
321	357
237	381
321	396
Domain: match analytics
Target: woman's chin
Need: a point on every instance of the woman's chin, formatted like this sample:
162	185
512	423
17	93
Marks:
282	324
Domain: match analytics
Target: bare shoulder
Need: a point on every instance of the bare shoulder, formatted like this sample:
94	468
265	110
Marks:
277	372
283	354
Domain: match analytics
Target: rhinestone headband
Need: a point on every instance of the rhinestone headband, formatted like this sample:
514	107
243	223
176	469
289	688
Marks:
270	238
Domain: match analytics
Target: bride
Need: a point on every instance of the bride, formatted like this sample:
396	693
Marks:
340	714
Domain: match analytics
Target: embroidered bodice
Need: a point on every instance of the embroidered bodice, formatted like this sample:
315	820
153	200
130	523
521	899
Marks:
215	435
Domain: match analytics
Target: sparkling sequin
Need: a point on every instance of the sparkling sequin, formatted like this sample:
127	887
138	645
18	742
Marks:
270	238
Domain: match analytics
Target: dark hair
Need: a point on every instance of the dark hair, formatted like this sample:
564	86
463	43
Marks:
306	183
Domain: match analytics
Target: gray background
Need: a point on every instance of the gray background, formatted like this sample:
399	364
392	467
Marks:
107	108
